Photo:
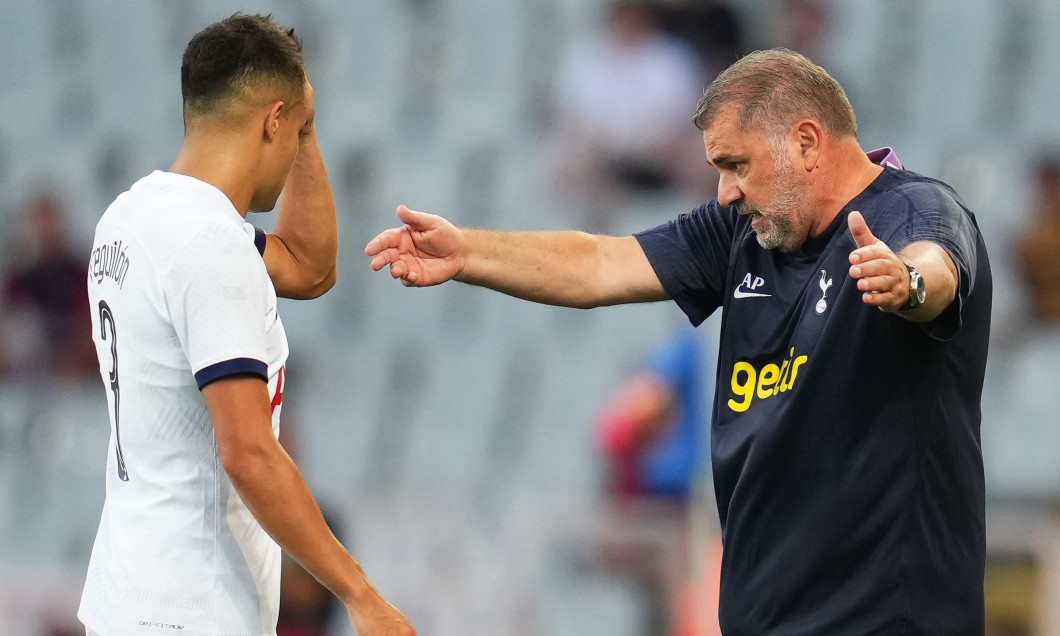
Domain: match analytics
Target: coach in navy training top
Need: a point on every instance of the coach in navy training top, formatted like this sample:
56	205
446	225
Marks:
856	312
845	441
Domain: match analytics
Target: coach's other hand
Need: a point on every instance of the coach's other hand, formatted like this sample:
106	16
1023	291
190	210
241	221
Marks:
424	251
880	274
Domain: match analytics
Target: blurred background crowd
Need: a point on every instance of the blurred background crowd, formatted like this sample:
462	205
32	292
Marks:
500	467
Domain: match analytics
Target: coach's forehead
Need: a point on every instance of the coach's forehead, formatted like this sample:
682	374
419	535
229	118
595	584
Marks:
724	137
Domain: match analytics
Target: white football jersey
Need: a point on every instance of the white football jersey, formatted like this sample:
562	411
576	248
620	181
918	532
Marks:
179	297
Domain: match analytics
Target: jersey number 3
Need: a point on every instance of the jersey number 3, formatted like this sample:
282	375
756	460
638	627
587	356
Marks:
107	318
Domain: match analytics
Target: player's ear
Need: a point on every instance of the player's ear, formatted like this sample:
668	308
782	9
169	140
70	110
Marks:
809	136
271	122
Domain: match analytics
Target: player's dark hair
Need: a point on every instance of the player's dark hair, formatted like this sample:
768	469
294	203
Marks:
238	52
774	89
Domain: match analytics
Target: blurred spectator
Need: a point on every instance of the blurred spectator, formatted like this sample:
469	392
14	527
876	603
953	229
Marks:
44	315
653	433
654	430
622	116
711	27
806	24
1037	248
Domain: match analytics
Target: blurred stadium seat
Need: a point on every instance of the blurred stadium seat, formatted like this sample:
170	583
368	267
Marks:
451	426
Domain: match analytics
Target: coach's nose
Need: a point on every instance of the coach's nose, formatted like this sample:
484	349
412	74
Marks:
728	190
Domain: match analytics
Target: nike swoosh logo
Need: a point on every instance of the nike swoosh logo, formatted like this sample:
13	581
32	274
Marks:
739	293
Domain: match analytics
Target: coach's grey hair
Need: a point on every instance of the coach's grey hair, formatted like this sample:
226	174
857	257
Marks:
774	89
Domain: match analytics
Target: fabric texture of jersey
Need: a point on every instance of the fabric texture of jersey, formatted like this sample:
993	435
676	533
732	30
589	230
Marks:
180	297
845	441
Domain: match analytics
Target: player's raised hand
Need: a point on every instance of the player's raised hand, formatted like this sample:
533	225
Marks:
881	275
310	111
424	251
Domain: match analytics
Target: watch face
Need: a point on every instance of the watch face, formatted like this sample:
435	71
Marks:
917	291
916	283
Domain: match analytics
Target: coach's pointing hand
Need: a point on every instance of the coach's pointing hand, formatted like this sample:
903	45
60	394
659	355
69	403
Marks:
880	274
424	251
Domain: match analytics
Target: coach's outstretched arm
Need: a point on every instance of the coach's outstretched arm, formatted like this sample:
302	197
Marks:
301	253
569	268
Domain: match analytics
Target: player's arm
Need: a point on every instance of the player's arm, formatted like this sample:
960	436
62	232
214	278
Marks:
884	279
274	491
572	269
301	253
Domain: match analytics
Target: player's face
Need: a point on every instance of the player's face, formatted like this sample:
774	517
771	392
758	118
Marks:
758	178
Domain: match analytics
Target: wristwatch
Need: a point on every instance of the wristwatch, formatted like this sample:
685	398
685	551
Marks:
916	290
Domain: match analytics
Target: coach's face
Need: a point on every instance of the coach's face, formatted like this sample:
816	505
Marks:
757	177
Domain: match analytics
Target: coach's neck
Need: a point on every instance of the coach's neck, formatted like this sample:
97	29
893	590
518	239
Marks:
840	172
224	156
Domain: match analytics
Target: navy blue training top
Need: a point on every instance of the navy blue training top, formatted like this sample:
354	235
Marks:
845	440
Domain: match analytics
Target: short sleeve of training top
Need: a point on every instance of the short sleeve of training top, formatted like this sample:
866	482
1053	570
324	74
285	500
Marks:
215	294
918	208
690	256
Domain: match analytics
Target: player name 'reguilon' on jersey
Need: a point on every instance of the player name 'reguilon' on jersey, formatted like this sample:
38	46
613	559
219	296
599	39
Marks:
110	261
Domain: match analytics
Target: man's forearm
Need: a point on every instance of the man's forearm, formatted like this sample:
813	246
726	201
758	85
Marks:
546	267
940	279
271	486
571	269
306	223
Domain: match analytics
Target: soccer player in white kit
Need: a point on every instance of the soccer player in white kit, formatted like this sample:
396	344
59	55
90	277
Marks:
200	495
